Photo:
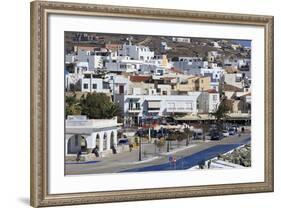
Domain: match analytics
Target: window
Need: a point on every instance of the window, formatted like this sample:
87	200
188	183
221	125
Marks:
85	86
138	106
202	80
105	85
214	97
130	105
94	86
121	89
123	66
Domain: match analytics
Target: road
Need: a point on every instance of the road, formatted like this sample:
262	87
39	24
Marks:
159	160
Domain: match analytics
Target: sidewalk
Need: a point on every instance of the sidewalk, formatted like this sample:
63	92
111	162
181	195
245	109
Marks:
129	160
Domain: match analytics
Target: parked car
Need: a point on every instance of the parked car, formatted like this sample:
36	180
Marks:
216	135
225	133
123	141
197	135
232	131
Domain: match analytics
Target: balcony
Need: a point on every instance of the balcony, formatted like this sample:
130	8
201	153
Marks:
179	110
134	110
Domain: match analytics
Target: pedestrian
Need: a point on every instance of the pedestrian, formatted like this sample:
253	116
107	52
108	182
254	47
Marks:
131	147
96	151
78	155
209	164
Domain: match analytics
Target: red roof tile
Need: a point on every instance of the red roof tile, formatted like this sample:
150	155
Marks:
176	70
138	78
211	91
228	87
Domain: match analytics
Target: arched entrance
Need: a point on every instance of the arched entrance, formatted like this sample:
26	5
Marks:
112	144
112	140
76	143
98	141
104	141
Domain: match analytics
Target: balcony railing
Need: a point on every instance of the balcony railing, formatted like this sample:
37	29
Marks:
132	110
179	109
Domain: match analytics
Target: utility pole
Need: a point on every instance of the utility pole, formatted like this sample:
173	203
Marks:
91	77
113	87
139	148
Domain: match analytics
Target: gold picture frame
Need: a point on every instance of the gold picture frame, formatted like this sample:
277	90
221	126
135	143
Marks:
39	103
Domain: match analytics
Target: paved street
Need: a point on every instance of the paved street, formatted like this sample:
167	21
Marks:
155	159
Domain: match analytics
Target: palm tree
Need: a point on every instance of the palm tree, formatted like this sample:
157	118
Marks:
205	128
220	113
187	134
171	137
180	136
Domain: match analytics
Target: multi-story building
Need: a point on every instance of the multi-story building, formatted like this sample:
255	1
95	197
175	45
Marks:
95	59
138	107
98	85
217	72
234	79
190	65
208	101
194	84
136	52
123	64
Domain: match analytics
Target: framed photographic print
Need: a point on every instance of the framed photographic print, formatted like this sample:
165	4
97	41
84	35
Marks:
139	103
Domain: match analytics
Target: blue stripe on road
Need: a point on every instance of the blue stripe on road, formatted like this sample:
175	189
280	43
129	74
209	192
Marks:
192	160
88	162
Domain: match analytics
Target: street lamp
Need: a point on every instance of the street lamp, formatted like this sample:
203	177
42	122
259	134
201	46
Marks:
168	146
168	142
139	134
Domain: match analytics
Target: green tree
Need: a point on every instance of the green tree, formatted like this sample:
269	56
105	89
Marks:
180	136
159	143
98	106
72	105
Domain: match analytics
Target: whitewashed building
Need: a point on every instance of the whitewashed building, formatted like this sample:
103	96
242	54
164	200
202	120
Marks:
95	59
138	106
191	65
216	72
98	85
136	52
234	79
82	134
